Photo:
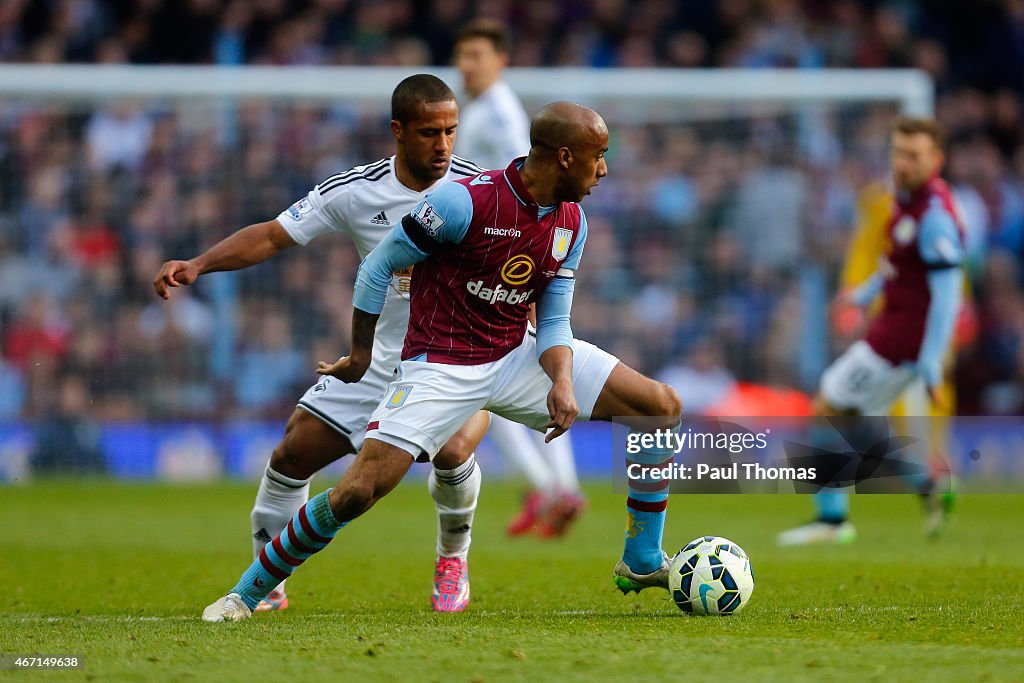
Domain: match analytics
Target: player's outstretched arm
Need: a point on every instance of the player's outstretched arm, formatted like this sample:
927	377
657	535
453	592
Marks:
247	247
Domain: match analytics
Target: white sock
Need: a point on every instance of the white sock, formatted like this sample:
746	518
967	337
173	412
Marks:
455	493
277	501
515	445
560	459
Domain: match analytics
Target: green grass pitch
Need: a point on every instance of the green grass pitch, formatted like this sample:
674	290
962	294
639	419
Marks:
118	574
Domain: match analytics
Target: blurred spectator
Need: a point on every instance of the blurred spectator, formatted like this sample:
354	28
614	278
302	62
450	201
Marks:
765	216
117	137
45	208
701	380
270	369
39	333
67	439
12	391
186	317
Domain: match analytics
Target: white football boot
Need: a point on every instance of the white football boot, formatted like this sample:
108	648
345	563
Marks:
627	580
818	532
228	608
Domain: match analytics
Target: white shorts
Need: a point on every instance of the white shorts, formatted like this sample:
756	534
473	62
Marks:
862	380
347	407
429	402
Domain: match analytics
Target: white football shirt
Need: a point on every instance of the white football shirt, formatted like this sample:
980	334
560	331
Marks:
365	203
493	128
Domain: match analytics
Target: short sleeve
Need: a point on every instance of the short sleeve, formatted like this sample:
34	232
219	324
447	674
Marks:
312	216
939	240
572	261
441	217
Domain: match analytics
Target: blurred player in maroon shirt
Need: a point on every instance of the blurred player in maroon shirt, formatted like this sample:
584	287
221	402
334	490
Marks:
921	280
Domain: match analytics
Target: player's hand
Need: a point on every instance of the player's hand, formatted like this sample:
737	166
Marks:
931	373
348	369
845	314
562	408
174	274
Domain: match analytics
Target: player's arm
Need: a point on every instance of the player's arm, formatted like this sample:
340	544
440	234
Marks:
442	218
391	254
942	250
864	293
555	341
554	346
247	247
301	222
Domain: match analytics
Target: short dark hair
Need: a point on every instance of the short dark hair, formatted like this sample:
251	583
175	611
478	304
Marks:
488	29
909	125
415	91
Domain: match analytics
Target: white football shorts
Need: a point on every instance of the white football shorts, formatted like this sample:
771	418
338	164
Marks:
347	408
428	402
862	380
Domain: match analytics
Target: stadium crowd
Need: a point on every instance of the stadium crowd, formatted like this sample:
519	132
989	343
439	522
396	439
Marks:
698	267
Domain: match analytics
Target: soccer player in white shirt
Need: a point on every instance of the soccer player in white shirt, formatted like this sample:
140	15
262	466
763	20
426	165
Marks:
494	129
331	417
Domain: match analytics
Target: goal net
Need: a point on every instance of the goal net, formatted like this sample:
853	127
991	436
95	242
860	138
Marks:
714	242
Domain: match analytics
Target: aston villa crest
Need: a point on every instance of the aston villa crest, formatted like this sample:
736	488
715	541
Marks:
904	231
560	246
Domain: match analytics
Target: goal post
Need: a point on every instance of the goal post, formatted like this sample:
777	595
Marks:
912	89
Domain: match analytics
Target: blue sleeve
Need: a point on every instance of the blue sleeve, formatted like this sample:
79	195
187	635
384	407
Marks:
572	261
946	287
938	239
553	308
393	253
942	249
443	217
866	292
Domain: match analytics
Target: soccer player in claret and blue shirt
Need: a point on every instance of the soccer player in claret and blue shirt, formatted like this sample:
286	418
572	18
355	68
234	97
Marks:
484	250
921	280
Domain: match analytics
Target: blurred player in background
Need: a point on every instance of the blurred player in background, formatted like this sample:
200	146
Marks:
493	129
867	246
485	249
903	351
330	419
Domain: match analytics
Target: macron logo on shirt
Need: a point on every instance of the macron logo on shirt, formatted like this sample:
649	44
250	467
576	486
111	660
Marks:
503	232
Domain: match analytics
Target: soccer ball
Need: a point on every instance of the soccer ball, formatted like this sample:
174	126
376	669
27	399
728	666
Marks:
710	575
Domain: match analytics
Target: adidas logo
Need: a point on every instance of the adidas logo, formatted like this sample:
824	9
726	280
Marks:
262	536
380	219
459	529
